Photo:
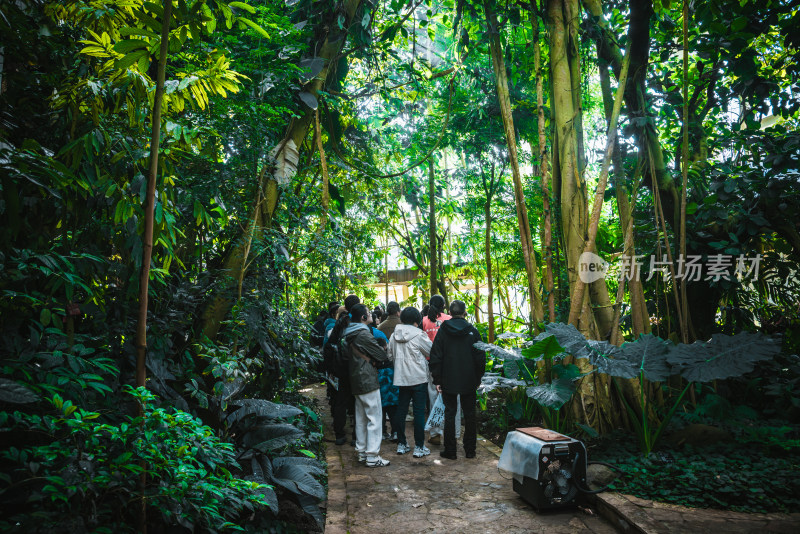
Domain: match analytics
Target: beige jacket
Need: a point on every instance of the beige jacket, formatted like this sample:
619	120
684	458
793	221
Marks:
409	348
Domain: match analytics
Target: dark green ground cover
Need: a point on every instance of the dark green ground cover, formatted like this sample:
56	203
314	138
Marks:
756	473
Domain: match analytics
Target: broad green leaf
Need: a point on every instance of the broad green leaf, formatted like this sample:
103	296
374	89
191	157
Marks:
308	99
127	31
15	393
261	408
255	26
723	357
241	5
128	45
546	347
553	395
130	59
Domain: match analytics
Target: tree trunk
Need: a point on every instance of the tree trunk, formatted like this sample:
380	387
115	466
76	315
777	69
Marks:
147	239
279	171
432	227
572	190
589	246
639	315
150	202
501	83
489	284
544	172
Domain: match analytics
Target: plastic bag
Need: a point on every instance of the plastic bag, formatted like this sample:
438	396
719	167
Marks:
436	417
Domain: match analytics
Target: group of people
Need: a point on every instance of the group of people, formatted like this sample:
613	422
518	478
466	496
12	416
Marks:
409	358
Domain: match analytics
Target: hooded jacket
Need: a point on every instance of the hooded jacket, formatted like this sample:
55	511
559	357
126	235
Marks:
329	324
409	348
363	375
456	365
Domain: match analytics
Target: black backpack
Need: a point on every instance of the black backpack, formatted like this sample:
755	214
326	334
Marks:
335	357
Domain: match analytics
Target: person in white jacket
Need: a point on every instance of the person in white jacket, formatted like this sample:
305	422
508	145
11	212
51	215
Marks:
410	348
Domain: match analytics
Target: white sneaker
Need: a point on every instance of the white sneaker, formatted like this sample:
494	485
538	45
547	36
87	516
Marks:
403	448
377	462
362	457
419	452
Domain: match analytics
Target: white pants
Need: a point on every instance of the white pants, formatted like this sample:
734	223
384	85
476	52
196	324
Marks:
368	423
432	393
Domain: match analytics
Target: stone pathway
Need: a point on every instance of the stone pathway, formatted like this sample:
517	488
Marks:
432	494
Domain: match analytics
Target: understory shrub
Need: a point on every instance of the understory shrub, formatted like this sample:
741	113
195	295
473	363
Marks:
75	473
733	476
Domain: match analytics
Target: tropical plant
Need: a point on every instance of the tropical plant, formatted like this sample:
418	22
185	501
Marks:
649	359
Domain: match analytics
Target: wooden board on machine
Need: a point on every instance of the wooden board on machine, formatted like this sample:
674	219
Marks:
543	434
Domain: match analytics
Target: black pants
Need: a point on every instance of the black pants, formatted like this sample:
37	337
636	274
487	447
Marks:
468	401
344	402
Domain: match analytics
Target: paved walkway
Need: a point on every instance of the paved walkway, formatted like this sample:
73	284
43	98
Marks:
432	494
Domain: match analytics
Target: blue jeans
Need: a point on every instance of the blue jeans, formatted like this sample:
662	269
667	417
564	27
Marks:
419	395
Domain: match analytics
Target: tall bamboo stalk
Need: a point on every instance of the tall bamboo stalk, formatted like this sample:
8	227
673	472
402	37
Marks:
147	236
432	222
576	300
323	163
501	84
685	170
544	172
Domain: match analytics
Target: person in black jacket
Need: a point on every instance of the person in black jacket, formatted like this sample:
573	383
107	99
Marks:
457	368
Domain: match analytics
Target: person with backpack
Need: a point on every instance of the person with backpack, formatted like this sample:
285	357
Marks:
457	368
409	348
363	355
328	364
344	398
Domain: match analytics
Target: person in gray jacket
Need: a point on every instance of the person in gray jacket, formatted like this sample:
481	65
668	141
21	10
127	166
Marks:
409	348
364	356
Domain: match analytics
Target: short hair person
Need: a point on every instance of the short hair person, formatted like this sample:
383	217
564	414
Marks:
392	319
457	368
363	355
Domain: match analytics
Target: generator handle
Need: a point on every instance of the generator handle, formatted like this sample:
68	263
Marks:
604	488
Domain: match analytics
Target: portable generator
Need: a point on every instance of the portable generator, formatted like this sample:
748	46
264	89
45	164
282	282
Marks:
549	468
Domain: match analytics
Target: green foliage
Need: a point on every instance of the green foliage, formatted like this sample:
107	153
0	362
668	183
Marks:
728	476
90	471
650	359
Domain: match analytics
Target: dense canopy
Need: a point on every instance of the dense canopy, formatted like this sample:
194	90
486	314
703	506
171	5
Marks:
186	184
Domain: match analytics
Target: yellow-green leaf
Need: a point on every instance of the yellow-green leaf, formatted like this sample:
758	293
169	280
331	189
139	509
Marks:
241	5
255	26
130	59
128	45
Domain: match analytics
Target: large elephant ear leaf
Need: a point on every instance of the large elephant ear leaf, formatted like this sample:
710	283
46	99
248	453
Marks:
544	346
567	372
511	369
262	408
16	393
297	475
492	381
310	506
499	352
511	335
262	473
648	354
554	394
570	339
723	357
608	359
269	437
